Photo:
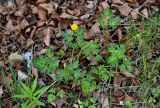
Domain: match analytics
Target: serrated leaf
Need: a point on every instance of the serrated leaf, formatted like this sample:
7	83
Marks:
41	91
20	96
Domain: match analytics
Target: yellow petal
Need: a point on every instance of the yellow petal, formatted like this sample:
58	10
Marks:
74	27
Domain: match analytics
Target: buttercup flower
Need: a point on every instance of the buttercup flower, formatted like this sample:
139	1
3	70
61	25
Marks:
74	27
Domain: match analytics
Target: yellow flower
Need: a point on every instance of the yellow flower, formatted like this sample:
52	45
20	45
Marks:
74	27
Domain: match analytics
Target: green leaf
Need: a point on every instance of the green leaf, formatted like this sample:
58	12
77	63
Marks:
41	91
27	89
25	104
34	85
36	101
20	96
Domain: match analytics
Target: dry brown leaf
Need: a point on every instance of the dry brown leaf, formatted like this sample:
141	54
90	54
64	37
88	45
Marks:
41	13
76	12
47	34
95	28
2	8
48	7
133	1
118	79
41	1
29	42
123	9
70	12
104	5
119	34
117	2
19	13
43	51
9	27
67	16
145	12
88	35
35	71
86	16
15	56
134	13
1	79
24	23
20	2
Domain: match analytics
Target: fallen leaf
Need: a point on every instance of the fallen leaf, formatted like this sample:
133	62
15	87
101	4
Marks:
134	13
48	7
88	35
2	8
29	42
20	2
24	23
86	16
95	28
104	5
123	9
132	1
47	34
40	12
1	63
117	2
70	12
76	12
1	80
15	56
35	71
145	12
118	79
9	27
67	16
119	34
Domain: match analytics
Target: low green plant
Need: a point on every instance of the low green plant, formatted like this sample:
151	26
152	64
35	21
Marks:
102	72
75	40
60	53
88	86
128	104
46	63
54	94
84	80
118	58
11	88
30	96
107	20
66	75
155	92
88	103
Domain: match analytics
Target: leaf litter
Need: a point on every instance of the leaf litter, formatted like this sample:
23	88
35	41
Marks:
35	25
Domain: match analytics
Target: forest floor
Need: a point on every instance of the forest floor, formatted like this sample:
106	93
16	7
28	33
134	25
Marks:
79	54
